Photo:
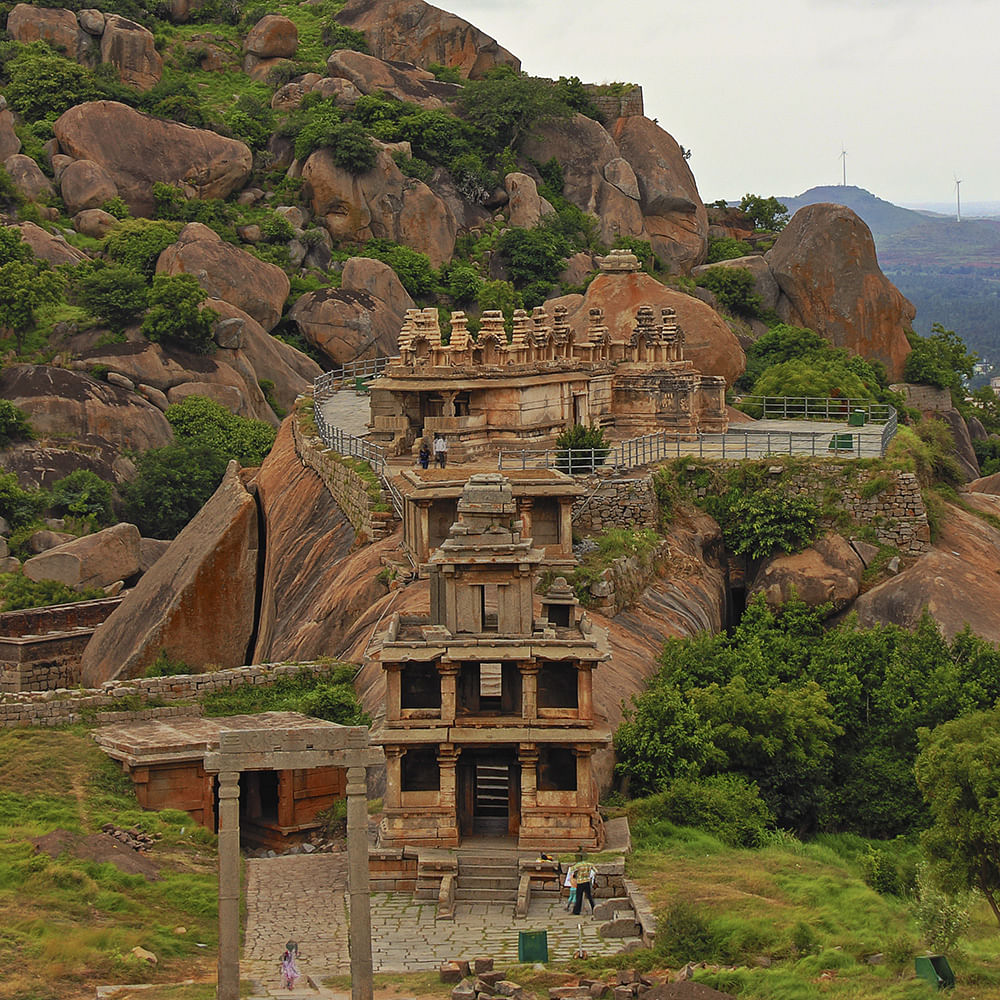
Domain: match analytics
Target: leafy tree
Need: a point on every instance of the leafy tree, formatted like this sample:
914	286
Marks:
782	342
40	83
413	268
171	486
763	521
504	105
174	315
12	246
19	506
815	377
941	360
113	293
25	287
957	773
138	243
735	289
764	213
201	421
533	257
591	441
463	283
14	425
84	494
574	94
726	248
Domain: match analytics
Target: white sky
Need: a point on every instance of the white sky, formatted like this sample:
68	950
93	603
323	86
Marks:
767	92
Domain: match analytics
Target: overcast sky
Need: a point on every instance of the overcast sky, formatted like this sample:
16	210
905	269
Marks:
767	93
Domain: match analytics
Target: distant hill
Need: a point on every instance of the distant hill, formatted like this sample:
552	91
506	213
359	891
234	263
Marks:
949	270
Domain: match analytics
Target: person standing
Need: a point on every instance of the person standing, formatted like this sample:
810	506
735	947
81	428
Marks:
583	875
440	451
424	456
571	885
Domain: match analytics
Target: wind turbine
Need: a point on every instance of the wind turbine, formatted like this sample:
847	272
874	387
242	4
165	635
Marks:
958	200
843	157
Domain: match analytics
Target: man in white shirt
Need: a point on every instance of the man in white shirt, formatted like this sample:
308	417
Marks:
440	451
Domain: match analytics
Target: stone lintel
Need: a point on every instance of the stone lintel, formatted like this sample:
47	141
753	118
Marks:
279	760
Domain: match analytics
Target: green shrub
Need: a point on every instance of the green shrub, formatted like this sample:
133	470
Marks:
764	213
166	666
174	315
940	360
463	283
413	268
40	83
20	507
533	257
735	289
446	74
760	522
116	294
84	494
200	421
138	243
684	934
171	486
17	592
339	36
589	440
116	207
14	425
726	248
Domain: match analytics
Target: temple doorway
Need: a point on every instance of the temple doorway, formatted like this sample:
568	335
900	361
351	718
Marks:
489	793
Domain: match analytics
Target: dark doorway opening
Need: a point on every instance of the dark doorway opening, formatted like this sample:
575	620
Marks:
489	793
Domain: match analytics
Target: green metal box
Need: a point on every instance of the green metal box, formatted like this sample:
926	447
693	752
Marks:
936	970
532	946
856	419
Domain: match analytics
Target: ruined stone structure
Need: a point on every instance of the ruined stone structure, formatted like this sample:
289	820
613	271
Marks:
490	724
544	499
488	393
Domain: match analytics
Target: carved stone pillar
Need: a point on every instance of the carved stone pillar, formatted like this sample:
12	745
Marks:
393	691
527	754
286	798
566	526
529	690
585	791
358	884
229	885
393	777
525	506
585	691
449	691
448	755
423	543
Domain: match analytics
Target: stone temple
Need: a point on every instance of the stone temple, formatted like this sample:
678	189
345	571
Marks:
490	725
488	393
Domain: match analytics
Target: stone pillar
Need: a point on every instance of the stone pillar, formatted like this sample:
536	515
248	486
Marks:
527	754
229	885
358	885
393	777
423	540
449	691
584	778
566	526
585	691
393	696
286	798
448	755
525	505
529	690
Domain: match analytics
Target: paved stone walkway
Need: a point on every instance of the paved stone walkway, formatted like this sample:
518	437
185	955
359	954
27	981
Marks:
304	897
348	411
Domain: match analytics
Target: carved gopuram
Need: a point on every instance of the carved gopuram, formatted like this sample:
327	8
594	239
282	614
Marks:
490	725
488	393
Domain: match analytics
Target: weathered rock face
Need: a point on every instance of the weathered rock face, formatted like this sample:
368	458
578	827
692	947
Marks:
272	37
959	431
137	150
129	47
86	185
708	342
404	82
827	572
197	602
9	142
314	586
361	319
226	272
28	177
763	281
381	203
27	23
68	404
824	262
96	560
525	207
46	246
414	31
956	581
672	210
94	222
589	157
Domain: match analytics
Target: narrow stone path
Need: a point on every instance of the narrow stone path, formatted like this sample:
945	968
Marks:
304	897
348	411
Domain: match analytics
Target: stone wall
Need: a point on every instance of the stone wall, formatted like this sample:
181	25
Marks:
57	617
138	699
347	488
612	502
611	107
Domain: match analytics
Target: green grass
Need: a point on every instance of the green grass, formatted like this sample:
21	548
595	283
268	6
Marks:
68	923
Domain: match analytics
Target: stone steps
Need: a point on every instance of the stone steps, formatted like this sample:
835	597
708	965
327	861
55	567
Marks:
487	879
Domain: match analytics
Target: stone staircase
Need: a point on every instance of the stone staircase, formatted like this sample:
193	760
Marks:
487	879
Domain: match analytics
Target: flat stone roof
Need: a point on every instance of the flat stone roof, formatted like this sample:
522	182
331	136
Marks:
531	482
183	738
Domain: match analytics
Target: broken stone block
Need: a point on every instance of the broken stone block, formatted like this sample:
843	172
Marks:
450	972
481	965
491	977
625	927
464	991
506	988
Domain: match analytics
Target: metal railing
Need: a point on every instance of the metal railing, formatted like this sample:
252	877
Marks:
813	408
346	376
736	444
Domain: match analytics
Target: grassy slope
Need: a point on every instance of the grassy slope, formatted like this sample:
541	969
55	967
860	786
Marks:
67	924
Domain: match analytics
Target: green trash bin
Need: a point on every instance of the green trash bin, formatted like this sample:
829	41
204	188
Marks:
532	946
856	419
842	442
935	970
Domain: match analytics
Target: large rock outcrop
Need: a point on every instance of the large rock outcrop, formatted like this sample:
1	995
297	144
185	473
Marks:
74	406
197	602
824	262
404	82
381	203
86	185
96	560
227	272
130	48
595	177
27	177
48	246
414	31
956	582
28	23
361	319
827	572
672	209
708	342
138	150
